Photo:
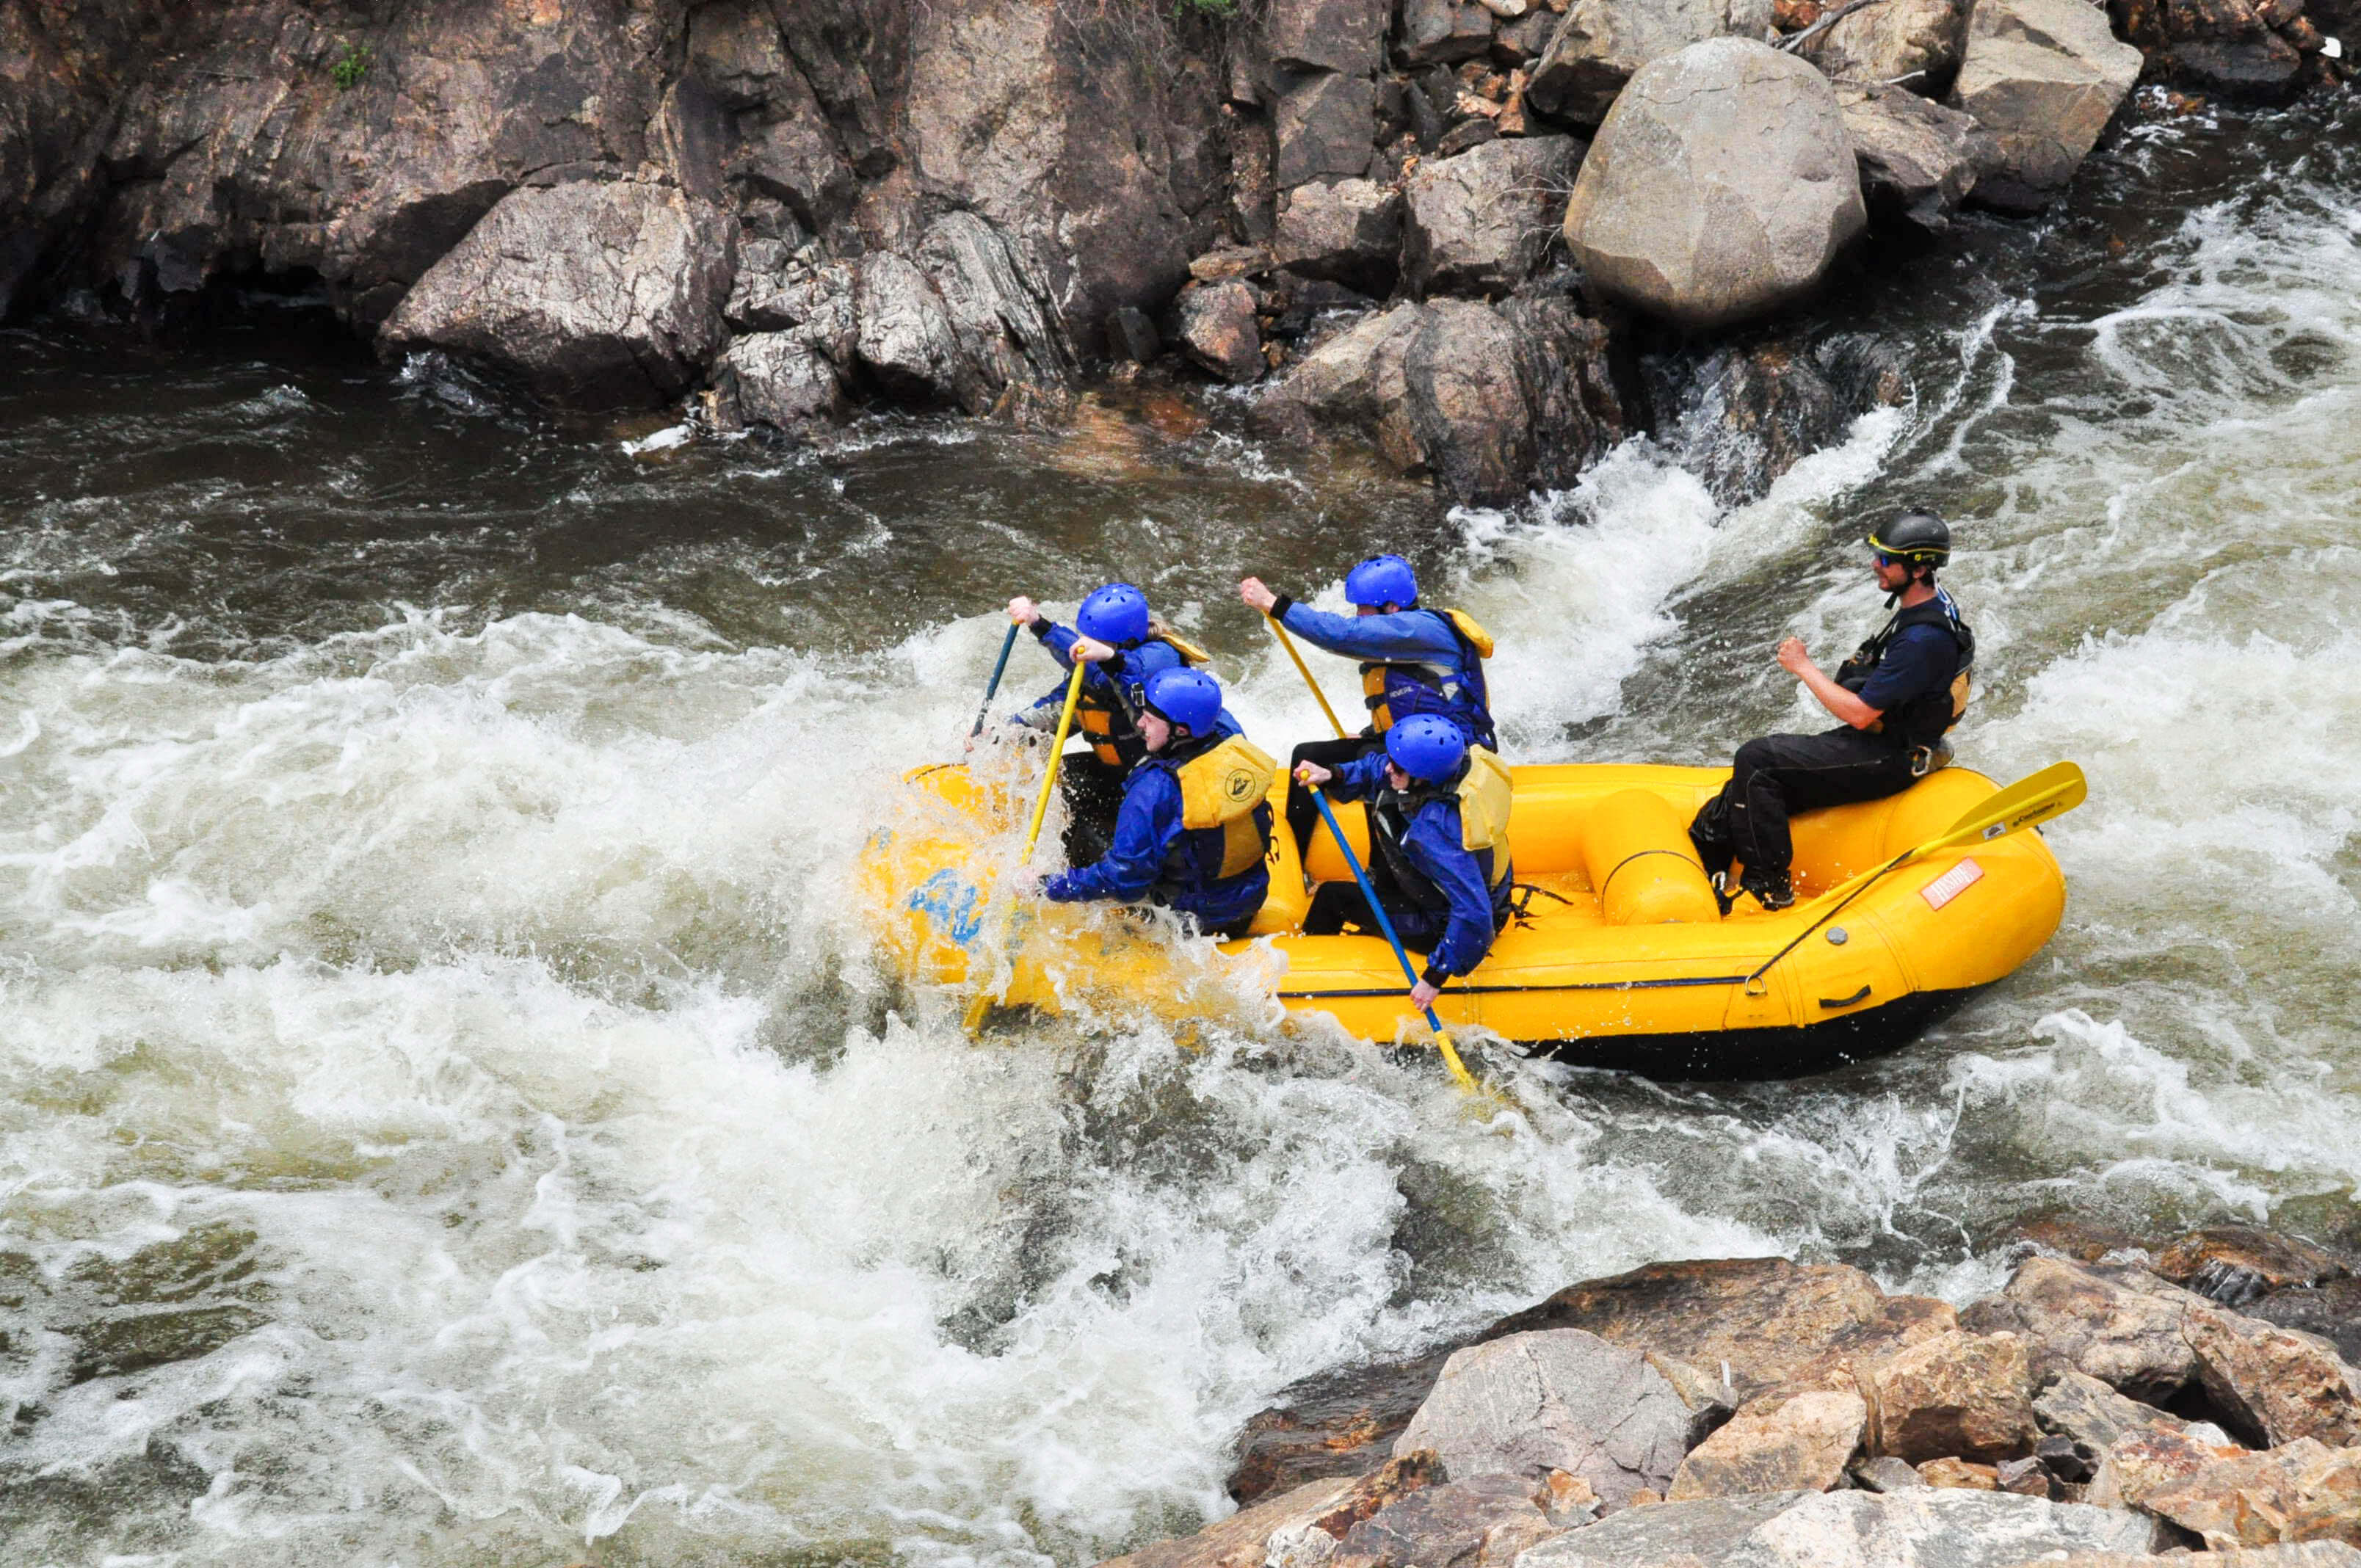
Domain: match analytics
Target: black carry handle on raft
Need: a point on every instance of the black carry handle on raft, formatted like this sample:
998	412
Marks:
2036	799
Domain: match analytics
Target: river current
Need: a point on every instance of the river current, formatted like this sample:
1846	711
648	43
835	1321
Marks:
451	1114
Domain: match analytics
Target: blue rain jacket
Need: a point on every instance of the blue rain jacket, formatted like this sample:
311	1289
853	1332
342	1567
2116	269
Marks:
1471	893
1407	636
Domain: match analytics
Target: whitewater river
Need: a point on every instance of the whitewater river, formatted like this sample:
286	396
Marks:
450	1113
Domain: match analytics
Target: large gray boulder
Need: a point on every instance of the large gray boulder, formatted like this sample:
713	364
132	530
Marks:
1325	35
1478	223
1721	187
1561	1399
1602	43
1909	43
1215	327
2045	77
1936	1528
595	295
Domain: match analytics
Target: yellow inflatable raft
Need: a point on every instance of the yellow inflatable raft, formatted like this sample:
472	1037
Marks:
1620	958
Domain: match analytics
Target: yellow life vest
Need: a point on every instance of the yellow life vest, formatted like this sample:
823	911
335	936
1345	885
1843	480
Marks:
1373	675
1486	794
1095	715
1221	788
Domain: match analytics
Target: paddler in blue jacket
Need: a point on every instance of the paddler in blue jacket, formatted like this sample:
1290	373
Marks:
1439	815
1116	634
1194	826
1413	661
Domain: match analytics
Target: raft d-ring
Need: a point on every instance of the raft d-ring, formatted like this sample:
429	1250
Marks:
1756	985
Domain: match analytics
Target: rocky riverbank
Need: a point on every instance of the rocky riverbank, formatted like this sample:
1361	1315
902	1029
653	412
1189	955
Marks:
2112	1401
1449	229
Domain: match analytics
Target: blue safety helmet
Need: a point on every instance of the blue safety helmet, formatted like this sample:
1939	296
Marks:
1427	745
1188	697
1382	580
1116	614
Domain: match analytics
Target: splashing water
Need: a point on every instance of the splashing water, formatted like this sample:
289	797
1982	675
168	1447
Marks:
453	1112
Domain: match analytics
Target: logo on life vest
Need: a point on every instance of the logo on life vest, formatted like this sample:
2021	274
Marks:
1239	785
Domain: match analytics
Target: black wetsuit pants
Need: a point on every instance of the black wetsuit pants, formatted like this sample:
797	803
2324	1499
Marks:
1778	775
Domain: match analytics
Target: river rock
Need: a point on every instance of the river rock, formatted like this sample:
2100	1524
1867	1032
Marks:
1489	401
776	378
1325	122
1883	1473
1722	186
907	342
797	294
1215	327
1442	32
593	294
1501	401
1933	1528
1482	1522
2311	1554
1352	383
2332	1311
2304	1490
1959	1474
2233	1264
997	299
1663	1535
2273	1383
1478	223
1909	43
2122	1326
2045	77
1560	1399
1766	1318
1961	1394
2094	1417
1741	416
1240	1540
1918	158
2151	1461
1603	43
1325	35
1799	1443
1344	231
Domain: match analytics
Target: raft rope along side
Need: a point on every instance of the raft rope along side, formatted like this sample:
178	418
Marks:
2054	791
992	690
981	1007
1459	1073
1305	671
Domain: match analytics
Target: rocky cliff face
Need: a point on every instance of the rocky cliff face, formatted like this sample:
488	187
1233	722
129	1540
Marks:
788	207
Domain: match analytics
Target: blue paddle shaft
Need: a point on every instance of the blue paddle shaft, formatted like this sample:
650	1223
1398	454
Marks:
1370	894
993	689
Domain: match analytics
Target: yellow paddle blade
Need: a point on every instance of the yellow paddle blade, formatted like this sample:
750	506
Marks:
2036	798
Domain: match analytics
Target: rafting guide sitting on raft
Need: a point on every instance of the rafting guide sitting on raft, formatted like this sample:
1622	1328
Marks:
1897	695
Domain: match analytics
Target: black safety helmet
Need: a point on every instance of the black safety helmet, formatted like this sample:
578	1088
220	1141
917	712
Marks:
1917	536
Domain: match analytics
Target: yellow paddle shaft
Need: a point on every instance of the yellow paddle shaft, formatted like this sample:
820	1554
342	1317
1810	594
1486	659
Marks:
981	1005
1057	757
1305	671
